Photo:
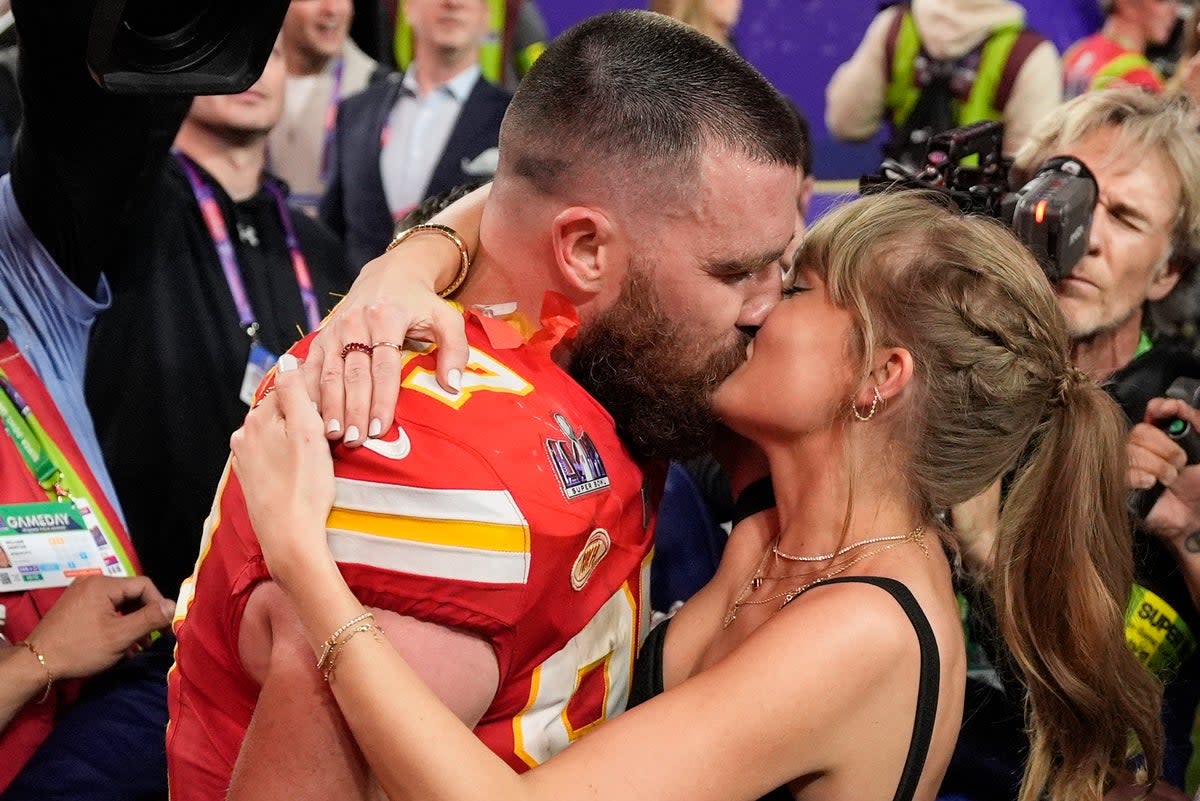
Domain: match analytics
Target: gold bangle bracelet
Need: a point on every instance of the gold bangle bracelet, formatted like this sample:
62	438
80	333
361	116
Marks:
41	661
449	233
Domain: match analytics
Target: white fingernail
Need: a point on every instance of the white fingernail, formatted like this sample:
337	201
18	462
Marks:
375	427
287	363
333	426
351	434
455	379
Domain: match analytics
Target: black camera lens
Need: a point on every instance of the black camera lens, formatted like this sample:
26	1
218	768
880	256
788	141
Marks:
168	37
182	47
153	19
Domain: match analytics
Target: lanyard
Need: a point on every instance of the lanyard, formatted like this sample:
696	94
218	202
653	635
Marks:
215	220
331	111
20	425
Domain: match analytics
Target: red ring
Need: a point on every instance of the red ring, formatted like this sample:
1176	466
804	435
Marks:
352	347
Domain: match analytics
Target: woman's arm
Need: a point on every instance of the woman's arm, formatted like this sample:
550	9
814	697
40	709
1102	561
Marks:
766	713
84	633
394	298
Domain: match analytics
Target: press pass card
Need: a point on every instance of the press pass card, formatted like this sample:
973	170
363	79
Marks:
51	544
258	364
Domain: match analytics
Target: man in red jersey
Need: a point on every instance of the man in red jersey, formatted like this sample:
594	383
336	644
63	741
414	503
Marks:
1117	53
642	207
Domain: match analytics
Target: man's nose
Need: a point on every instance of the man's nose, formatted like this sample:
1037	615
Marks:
1096	230
763	290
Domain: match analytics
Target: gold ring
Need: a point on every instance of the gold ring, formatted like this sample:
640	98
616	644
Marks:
398	348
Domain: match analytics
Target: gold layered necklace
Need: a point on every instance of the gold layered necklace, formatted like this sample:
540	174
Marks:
757	578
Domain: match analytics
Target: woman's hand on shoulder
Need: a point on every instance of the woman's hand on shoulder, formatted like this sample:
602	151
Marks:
395	298
284	464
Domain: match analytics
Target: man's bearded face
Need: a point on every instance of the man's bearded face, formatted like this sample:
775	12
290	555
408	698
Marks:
638	361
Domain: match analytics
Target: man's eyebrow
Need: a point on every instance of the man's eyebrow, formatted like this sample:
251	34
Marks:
747	263
1122	209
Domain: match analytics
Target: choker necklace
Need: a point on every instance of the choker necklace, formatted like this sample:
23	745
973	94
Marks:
917	535
825	557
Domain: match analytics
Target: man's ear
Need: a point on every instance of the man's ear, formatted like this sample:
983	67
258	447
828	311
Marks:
893	369
808	185
1165	277
583	240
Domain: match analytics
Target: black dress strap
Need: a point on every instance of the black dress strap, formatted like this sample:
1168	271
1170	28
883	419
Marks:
927	685
648	670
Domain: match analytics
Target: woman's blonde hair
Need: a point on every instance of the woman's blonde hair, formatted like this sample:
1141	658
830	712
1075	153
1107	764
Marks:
994	393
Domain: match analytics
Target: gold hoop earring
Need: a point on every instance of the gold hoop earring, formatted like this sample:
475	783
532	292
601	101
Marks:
878	399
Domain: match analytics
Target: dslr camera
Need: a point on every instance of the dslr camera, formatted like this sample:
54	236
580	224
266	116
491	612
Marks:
1051	214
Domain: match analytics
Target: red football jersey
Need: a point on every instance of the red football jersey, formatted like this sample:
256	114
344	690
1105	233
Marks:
510	510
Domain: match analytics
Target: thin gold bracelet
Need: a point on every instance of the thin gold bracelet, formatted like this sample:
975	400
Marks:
337	649
328	647
41	661
449	233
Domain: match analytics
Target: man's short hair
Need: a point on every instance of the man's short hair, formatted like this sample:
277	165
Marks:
636	91
1146	123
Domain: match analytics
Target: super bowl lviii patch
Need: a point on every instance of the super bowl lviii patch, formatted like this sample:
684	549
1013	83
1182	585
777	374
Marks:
576	461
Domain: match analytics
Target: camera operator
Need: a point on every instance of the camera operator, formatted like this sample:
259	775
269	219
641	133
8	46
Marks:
1145	158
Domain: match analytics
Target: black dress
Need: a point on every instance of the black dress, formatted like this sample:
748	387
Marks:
648	682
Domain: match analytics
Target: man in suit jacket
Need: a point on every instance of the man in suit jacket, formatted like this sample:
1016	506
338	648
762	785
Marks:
324	68
411	137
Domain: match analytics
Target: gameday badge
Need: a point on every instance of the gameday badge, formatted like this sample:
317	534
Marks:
576	461
594	550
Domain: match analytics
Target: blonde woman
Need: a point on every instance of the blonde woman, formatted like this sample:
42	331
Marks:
919	357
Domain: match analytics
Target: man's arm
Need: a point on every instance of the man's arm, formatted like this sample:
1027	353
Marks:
298	745
1036	92
855	96
83	157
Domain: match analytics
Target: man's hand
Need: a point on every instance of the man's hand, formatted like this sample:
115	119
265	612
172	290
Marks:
96	621
1155	457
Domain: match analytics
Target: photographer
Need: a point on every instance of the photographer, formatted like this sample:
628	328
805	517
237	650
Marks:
1146	224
